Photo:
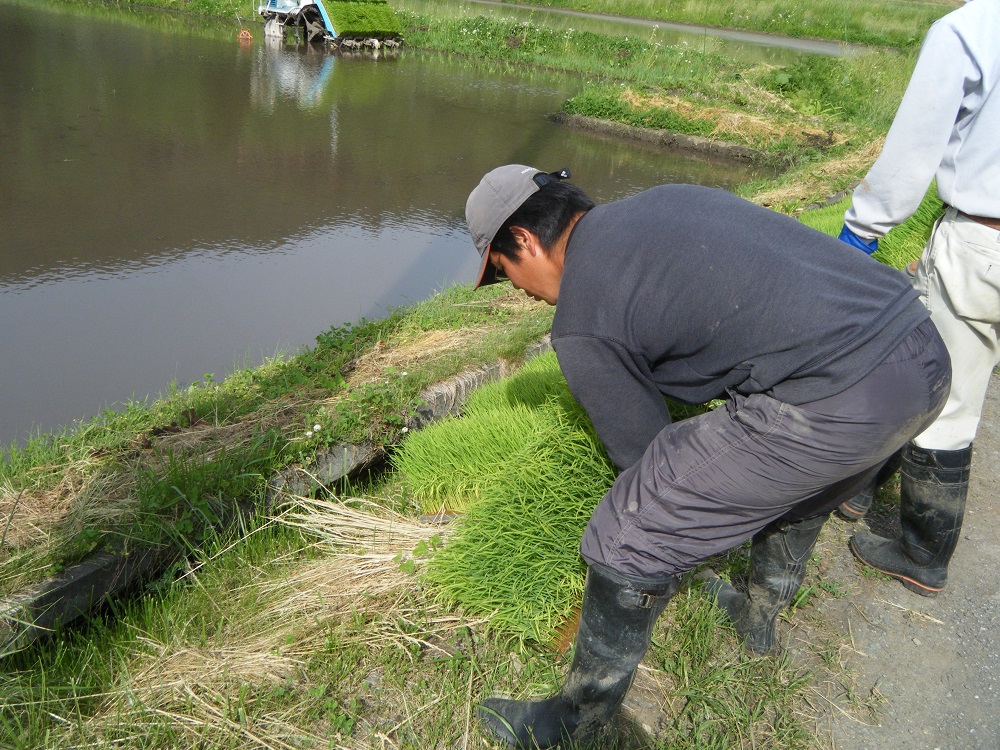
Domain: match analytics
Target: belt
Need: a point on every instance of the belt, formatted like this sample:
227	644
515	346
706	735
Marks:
986	221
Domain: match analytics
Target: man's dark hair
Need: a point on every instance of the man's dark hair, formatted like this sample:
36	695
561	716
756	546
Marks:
546	213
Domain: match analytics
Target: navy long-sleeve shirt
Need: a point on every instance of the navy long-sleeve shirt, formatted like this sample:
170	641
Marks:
687	292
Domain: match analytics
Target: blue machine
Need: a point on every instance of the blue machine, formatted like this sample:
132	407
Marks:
307	16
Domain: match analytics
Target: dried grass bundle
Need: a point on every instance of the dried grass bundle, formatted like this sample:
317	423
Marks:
356	524
202	696
426	346
807	187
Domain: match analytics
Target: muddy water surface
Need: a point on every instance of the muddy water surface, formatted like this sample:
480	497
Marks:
173	203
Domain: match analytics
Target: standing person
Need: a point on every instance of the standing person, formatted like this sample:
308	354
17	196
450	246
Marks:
947	126
826	359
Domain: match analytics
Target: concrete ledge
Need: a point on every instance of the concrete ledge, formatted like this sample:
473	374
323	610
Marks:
77	590
665	138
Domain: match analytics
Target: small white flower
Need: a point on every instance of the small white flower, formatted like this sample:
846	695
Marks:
309	433
405	373
405	429
317	427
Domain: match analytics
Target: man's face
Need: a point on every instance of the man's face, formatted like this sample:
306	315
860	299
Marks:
529	272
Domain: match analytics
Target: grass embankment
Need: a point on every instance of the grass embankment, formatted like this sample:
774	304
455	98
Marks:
819	121
142	474
893	23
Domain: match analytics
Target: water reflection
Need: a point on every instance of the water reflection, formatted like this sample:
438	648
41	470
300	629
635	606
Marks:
302	78
175	204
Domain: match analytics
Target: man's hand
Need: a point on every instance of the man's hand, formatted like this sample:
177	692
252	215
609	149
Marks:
865	246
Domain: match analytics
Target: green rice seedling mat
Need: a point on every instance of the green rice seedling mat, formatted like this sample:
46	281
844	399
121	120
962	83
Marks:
902	245
365	17
525	469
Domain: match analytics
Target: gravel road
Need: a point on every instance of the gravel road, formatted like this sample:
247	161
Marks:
935	661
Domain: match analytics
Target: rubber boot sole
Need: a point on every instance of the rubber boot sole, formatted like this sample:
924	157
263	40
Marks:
848	513
911	583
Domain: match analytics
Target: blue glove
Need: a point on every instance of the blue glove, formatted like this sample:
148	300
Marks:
865	246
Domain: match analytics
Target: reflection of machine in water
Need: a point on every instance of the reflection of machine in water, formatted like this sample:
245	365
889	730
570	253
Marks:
342	22
283	73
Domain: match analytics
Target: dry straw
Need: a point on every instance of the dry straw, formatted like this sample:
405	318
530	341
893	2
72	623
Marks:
194	694
357	524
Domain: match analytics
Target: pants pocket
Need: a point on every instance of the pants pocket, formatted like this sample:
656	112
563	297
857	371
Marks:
969	275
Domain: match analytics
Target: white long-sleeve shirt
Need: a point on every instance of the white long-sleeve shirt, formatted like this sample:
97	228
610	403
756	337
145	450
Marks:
948	126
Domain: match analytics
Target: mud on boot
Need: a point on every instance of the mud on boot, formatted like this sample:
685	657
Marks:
778	556
933	488
616	620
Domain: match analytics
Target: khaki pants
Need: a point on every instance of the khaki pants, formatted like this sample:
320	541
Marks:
958	278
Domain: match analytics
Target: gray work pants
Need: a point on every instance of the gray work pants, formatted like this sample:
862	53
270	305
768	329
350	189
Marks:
709	483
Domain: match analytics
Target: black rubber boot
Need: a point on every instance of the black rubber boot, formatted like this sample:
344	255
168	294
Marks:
615	624
933	487
778	557
856	508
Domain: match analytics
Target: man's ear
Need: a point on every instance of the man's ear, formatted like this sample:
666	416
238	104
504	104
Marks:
527	241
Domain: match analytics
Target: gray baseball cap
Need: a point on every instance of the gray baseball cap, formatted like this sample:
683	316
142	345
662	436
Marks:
498	195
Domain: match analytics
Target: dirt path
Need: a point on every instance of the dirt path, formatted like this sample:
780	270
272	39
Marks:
936	662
